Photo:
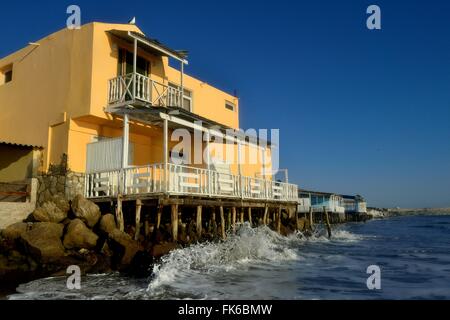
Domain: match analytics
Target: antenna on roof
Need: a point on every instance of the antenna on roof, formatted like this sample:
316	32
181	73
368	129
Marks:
132	21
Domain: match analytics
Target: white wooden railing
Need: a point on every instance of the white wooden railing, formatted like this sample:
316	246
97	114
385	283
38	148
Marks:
184	180
121	90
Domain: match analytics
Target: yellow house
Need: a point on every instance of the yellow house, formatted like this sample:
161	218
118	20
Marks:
104	101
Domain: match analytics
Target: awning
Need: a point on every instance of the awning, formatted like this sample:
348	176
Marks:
20	144
152	46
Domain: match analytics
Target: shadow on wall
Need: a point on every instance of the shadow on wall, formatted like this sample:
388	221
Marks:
16	163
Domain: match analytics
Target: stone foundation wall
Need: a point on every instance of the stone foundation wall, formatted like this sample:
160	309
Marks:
68	185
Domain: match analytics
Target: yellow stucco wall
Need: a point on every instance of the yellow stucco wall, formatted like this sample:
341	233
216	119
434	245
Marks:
59	92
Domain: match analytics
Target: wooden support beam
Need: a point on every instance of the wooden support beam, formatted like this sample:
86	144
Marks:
233	212
279	220
222	224
174	218
327	221
250	216
242	215
138	219
119	214
158	217
311	220
199	221
229	223
266	215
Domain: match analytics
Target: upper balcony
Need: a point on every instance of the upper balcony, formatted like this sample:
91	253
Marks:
136	88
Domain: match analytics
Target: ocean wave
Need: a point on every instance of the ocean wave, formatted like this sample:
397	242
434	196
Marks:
248	247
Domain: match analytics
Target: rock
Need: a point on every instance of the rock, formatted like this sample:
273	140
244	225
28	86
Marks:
49	212
86	210
79	236
15	231
108	223
55	210
124	248
43	242
160	250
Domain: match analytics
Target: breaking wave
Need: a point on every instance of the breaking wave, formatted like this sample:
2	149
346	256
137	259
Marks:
211	270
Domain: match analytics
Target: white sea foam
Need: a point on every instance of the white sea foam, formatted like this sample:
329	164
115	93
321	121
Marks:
245	248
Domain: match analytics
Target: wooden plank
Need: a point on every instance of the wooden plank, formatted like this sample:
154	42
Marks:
233	223
266	215
119	214
279	220
199	221
158	217
174	220
250	216
222	223
138	219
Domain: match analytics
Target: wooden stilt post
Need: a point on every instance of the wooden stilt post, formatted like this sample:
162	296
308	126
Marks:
311	220
138	219
266	212
279	220
158	217
242	215
222	223
119	214
199	221
229	223
250	216
174	218
233	222
327	221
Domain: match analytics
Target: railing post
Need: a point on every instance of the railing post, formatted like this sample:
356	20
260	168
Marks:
166	155
134	68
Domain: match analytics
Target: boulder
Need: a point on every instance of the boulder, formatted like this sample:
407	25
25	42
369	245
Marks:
86	210
49	212
108	223
43	241
78	236
123	246
15	231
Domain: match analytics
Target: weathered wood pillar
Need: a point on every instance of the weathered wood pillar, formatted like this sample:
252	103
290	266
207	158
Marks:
138	219
327	221
199	221
233	219
222	223
242	215
311	220
250	216
158	217
266	213
174	220
119	214
279	220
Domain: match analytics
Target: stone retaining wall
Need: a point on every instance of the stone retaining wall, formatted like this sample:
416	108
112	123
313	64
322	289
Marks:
69	185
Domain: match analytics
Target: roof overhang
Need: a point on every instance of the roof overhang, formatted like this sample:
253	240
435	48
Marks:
150	45
181	118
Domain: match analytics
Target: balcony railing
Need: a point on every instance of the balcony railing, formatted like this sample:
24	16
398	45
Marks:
183	180
121	90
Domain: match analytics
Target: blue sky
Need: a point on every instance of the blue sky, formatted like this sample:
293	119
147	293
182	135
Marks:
360	111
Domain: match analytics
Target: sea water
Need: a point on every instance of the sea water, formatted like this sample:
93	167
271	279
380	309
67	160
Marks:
412	253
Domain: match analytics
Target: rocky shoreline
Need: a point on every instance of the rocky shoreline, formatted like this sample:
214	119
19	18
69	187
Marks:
59	234
62	233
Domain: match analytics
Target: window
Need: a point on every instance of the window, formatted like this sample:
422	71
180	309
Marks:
125	65
6	75
187	97
230	106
